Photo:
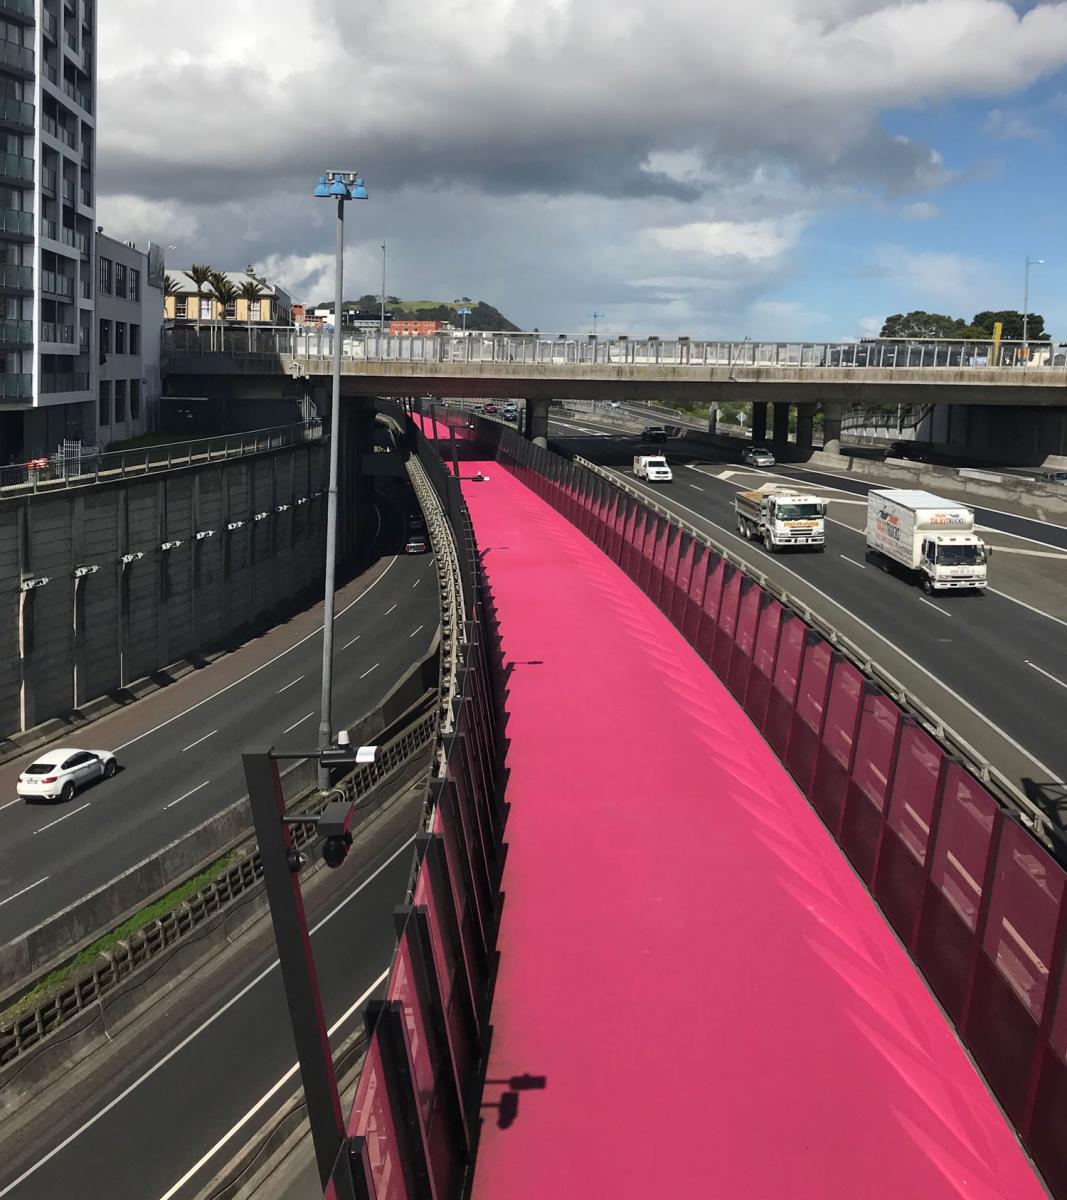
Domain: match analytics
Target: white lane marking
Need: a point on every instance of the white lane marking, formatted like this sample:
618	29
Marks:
1052	776
73	813
1015	600
296	723
351	641
355	1006
199	740
862	566
29	888
143	1078
374	668
931	604
17	800
1060	554
414	631
1047	674
696	487
417	582
288	685
187	795
255	670
389	610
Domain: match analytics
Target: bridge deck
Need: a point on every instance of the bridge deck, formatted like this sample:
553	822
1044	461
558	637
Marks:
713	1000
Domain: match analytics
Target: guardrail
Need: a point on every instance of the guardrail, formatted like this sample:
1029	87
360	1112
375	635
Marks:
978	902
540	349
91	467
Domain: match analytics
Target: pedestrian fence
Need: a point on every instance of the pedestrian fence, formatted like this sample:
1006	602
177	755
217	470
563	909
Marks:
978	902
75	465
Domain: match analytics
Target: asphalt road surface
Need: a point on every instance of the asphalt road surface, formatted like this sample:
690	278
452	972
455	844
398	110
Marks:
179	749
994	666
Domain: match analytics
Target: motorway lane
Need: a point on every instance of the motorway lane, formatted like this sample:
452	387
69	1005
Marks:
177	775
981	647
149	1134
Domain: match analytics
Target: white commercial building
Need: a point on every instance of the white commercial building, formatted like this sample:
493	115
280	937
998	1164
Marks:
47	215
129	312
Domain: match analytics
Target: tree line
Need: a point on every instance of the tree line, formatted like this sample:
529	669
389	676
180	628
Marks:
218	286
921	324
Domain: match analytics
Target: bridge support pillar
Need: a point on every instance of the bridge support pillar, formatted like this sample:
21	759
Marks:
805	423
759	422
781	424
713	417
537	422
831	427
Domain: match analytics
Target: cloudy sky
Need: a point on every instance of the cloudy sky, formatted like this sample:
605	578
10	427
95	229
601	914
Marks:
770	168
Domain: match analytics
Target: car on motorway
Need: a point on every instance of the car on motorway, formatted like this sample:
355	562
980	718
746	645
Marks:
758	456
510	412
490	408
654	433
1053	477
57	774
416	543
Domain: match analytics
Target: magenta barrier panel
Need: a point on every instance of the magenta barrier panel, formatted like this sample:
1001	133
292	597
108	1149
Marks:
726	624
1048	1114
781	700
834	757
646	534
1021	949
748	615
880	726
665	599
372	1121
687	551
708	624
618	528
805	730
659	559
764	656
631	554
913	800
694	600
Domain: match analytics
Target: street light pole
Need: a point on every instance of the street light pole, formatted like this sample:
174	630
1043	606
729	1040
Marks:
464	312
1030	262
381	329
596	316
342	185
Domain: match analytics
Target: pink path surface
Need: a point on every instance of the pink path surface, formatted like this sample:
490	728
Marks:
714	1000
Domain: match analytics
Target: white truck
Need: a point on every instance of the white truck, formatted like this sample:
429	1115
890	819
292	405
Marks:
933	539
780	516
652	467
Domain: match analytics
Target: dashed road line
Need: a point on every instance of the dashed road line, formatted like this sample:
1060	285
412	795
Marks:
28	888
288	685
73	812
199	740
187	794
374	668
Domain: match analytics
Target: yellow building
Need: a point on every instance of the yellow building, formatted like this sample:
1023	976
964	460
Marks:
273	307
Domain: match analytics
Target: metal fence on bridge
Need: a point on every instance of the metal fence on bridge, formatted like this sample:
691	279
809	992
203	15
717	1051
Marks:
305	342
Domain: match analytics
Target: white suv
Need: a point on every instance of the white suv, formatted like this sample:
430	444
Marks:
59	773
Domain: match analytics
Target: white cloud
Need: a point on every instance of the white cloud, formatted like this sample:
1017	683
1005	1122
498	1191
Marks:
1009	126
753	240
953	281
922	210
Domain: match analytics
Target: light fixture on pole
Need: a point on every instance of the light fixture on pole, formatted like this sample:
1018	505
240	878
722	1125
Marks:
1030	262
340	186
596	317
464	312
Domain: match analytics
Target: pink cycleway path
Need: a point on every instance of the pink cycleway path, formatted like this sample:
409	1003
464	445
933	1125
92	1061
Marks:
715	1002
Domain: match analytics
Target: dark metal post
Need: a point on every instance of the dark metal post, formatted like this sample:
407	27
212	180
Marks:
296	960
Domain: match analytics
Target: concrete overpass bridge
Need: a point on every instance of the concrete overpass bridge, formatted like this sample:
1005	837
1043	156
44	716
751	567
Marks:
1009	396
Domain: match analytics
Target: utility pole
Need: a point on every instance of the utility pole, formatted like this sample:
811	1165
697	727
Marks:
381	330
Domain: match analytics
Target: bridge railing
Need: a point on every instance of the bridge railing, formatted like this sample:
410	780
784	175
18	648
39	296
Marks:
568	350
92	466
980	905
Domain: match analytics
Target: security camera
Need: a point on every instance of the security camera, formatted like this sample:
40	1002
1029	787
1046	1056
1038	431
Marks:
335	849
296	859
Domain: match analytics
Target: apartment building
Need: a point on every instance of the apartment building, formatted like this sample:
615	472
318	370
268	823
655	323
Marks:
272	306
129	310
414	326
47	214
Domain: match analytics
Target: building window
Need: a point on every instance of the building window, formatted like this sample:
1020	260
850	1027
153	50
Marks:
120	341
105	402
206	308
254	310
135	284
135	339
120	401
120	280
187	308
105	337
231	310
105	275
135	399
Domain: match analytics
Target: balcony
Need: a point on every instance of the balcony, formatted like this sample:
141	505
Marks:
68	191
78	95
85	197
57	285
51	25
15	333
16	278
62	334
16	387
83	242
67	381
16	224
14	57
16	112
16	167
49	228
48	180
87	286
16	8
72	42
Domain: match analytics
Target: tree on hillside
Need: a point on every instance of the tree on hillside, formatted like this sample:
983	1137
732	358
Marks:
919	324
1013	325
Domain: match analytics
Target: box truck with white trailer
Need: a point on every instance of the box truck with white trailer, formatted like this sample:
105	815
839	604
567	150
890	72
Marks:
932	538
780	516
652	467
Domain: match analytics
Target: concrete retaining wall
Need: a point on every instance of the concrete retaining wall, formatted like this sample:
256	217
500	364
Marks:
69	641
